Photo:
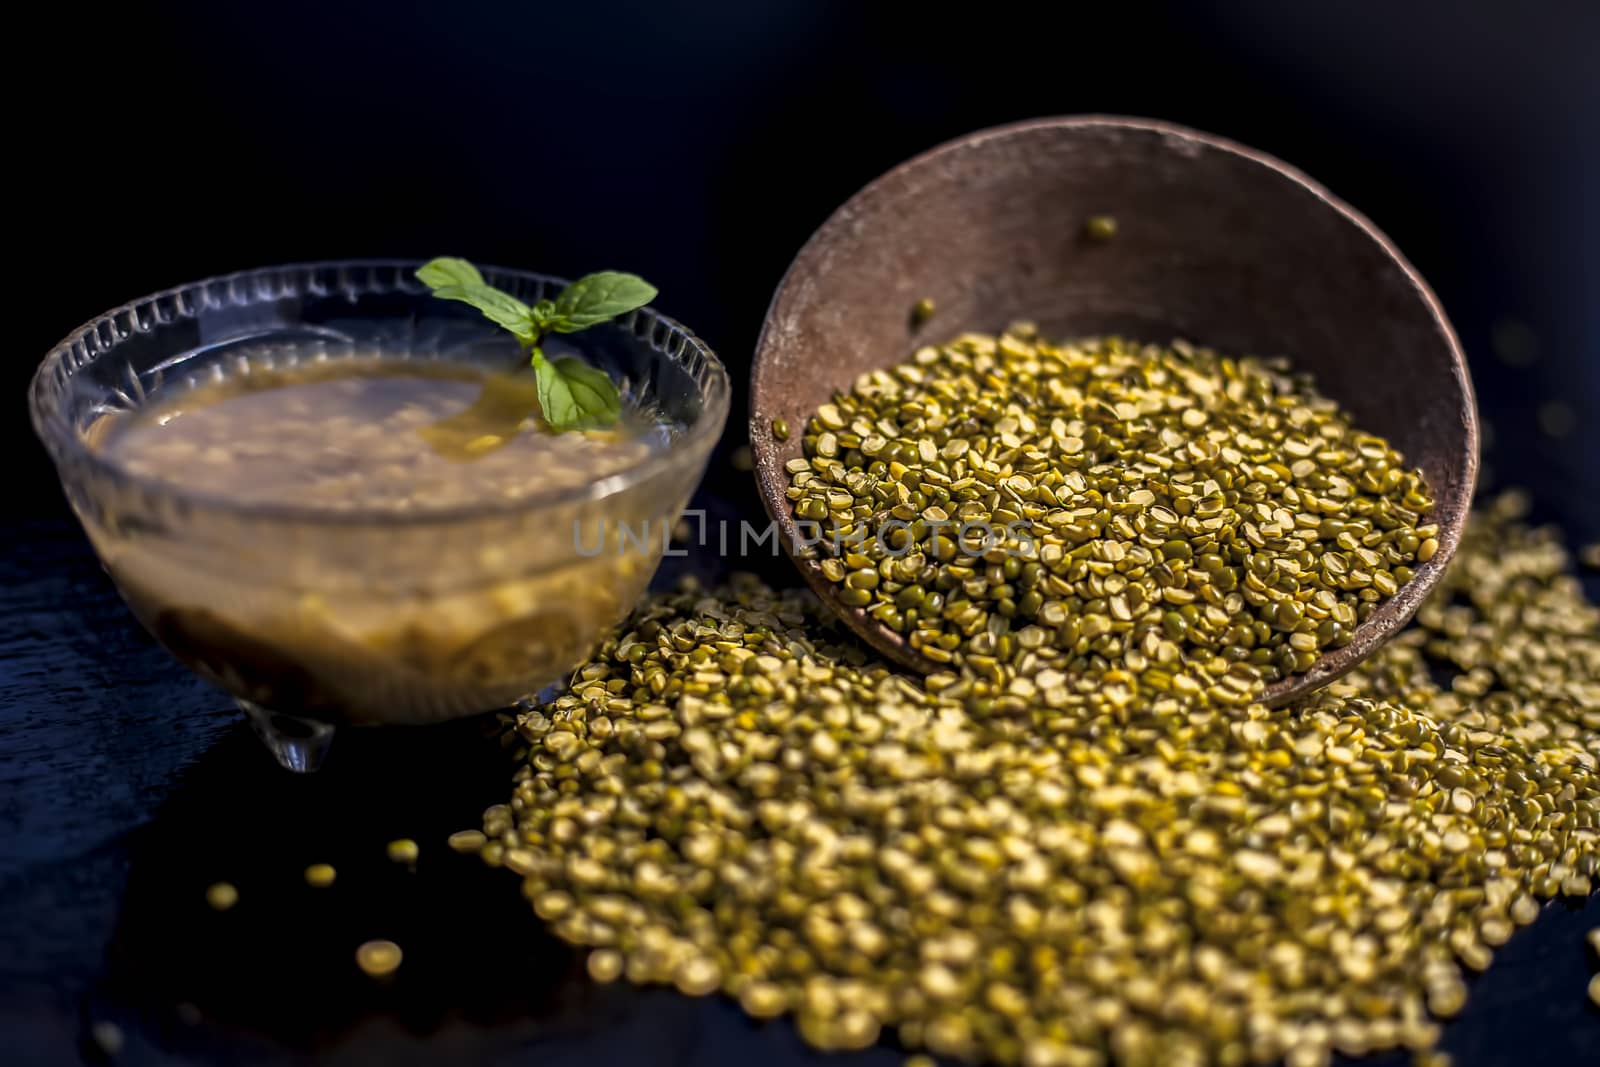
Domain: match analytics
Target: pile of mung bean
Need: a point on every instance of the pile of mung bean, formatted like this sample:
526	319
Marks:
734	797
1113	521
1082	840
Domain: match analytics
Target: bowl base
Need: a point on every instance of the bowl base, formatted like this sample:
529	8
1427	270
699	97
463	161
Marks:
297	744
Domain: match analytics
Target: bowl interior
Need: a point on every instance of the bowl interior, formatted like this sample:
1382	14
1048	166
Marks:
199	332
1214	243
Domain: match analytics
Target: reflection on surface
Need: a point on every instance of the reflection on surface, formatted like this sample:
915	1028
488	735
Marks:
279	965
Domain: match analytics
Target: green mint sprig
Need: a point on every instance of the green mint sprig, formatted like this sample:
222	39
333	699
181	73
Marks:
572	394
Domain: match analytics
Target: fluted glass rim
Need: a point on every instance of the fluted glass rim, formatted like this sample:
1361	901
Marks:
98	337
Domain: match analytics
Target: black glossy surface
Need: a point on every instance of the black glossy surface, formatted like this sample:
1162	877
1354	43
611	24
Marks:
129	787
698	145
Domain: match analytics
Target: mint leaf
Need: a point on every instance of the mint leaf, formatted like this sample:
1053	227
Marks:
574	395
446	271
597	298
501	308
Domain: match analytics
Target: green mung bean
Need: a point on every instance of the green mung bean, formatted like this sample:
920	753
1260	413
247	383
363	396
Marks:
403	850
605	965
1100	227
320	875
1147	875
222	896
467	841
1138	481
108	1038
378	959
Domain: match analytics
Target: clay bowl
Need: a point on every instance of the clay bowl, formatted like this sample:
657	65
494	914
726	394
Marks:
1216	243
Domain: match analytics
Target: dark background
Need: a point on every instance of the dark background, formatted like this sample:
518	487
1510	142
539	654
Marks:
699	145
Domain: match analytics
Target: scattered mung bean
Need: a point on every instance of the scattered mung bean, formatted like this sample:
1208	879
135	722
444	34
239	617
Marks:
732	796
378	959
222	896
1100	227
107	1037
403	850
467	841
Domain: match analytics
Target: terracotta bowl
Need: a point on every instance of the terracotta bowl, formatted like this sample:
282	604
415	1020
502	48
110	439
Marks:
1215	243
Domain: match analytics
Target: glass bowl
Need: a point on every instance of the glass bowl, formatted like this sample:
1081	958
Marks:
311	617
